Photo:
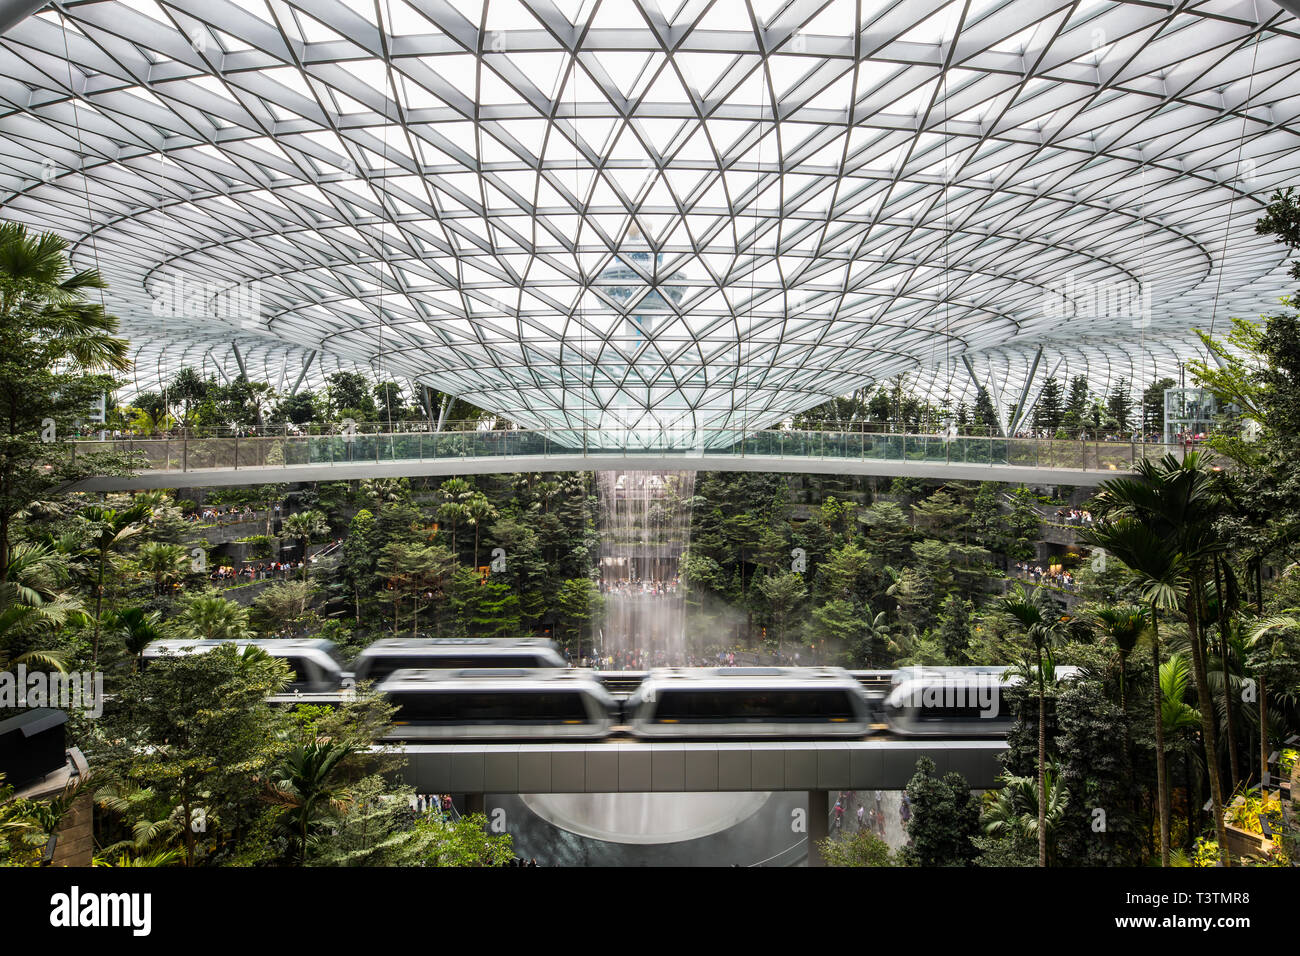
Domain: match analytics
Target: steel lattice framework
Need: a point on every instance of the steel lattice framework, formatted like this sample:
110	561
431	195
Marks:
627	213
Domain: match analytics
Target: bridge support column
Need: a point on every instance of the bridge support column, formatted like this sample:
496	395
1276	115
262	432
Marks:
819	811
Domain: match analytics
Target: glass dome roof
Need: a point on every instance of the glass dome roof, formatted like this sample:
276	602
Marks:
700	213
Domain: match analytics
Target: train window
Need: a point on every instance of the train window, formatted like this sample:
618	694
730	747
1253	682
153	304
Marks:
382	666
956	713
484	707
964	712
722	706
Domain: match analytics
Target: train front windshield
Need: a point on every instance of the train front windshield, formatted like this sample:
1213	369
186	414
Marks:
721	706
486	707
300	671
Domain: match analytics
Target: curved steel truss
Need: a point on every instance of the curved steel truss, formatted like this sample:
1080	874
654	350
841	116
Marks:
628	213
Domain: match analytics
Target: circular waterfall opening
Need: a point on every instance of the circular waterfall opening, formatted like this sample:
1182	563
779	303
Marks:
645	818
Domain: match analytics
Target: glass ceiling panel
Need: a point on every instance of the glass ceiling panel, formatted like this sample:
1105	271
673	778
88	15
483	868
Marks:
761	201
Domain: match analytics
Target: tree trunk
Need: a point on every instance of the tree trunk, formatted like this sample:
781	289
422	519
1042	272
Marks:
1162	768
1042	766
188	810
1123	709
99	607
1233	765
1208	733
4	544
1230	722
1263	733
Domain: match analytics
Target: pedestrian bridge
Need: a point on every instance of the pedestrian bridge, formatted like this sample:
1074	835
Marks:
640	766
185	462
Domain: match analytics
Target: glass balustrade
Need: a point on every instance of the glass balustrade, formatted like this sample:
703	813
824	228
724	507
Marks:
201	454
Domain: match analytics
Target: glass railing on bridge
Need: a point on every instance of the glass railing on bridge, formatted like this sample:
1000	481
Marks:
289	451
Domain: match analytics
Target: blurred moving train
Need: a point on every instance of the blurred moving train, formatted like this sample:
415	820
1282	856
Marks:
745	701
486	703
388	655
954	701
504	689
316	664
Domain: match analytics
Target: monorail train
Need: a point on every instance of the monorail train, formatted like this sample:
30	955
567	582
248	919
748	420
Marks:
748	702
953	701
501	703
389	655
316	664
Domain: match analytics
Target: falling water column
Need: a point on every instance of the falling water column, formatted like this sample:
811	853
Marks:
645	528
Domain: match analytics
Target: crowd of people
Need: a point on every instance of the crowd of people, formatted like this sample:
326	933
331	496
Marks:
260	571
1136	436
231	514
656	587
1039	575
439	804
644	660
267	570
869	813
1074	516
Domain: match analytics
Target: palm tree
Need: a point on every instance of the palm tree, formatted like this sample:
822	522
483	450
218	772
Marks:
166	563
303	782
1266	629
1043	627
138	629
207	617
1177	717
455	494
875	634
149	842
1015	808
31	602
306	525
1159	564
1180	501
109	531
46	322
385	490
1223	610
478	510
1124	625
